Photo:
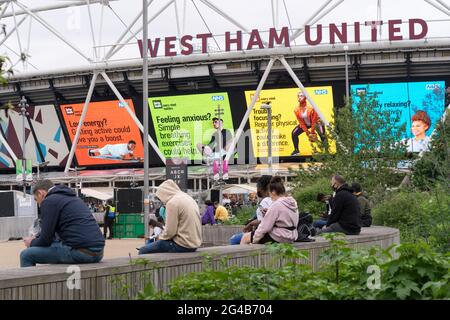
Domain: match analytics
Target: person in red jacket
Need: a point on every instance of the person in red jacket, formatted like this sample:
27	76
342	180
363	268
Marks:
308	122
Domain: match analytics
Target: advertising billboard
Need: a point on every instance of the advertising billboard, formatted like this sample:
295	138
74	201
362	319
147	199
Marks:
12	127
184	124
418	105
49	134
295	125
108	135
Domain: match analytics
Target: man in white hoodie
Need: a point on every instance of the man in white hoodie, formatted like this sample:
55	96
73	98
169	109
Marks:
183	230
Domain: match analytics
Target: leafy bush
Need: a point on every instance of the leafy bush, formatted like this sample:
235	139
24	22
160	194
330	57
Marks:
417	273
242	215
306	196
418	216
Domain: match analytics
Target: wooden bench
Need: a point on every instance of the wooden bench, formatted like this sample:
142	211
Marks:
106	280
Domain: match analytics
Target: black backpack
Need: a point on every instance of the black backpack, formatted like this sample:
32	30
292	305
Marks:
305	228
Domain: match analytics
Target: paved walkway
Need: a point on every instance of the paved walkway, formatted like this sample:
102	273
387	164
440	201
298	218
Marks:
116	248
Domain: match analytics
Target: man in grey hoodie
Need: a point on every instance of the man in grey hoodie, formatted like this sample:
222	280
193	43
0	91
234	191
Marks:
183	230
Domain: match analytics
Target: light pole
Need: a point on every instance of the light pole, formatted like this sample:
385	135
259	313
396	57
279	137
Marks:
23	111
39	166
347	93
268	107
145	110
219	112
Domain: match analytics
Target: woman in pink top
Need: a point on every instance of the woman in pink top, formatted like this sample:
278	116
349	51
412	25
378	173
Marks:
280	221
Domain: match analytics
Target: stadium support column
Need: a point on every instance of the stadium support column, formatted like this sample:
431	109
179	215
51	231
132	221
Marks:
347	86
145	111
80	124
311	101
133	116
302	88
232	147
269	135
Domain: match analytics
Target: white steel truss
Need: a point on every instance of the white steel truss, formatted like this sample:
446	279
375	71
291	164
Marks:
99	63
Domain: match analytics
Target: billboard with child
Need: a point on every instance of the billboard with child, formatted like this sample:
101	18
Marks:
417	105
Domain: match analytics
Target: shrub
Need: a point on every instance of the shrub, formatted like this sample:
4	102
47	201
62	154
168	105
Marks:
418	216
306	196
242	215
416	273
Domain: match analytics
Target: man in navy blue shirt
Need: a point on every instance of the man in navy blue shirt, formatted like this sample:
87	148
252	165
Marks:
69	232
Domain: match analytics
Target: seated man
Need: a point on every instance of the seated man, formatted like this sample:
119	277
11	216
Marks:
122	151
364	205
345	213
183	230
320	223
66	217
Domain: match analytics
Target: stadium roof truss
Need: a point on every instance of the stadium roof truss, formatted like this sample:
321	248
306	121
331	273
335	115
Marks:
98	64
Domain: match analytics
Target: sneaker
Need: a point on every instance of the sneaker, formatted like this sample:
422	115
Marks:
225	176
295	153
216	177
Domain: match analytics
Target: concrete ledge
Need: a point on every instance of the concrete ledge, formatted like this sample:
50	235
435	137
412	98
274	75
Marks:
219	234
107	279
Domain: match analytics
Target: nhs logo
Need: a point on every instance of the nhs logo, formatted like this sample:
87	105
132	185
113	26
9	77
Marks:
361	91
432	86
320	92
218	98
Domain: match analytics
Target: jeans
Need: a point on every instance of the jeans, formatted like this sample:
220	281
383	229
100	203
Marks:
164	246
336	227
320	223
108	224
56	253
236	238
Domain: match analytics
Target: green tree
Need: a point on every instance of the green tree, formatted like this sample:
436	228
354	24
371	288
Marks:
368	147
434	166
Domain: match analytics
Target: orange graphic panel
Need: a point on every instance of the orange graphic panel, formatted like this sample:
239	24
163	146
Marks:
105	134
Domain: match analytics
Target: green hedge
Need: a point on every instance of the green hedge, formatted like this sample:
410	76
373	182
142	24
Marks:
416	272
242	215
418	216
306	196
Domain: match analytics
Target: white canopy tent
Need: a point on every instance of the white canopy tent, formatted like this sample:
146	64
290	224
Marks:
239	188
101	193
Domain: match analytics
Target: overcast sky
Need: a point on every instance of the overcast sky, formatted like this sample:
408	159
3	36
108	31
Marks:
48	52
